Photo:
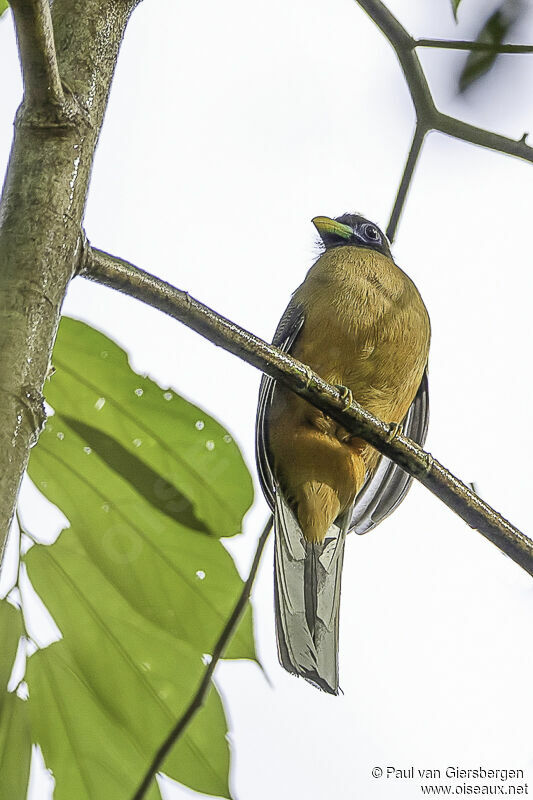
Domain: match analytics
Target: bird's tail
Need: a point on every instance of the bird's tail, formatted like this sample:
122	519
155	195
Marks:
307	597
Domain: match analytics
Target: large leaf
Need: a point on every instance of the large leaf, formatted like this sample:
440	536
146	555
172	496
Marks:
92	755
15	747
131	672
493	32
11	630
196	469
4	5
177	578
15	741
138	585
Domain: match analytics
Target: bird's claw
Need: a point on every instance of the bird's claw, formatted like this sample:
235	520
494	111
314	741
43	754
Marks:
395	428
346	395
428	458
308	376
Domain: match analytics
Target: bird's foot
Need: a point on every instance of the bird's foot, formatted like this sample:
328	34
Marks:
428	458
309	375
346	394
395	428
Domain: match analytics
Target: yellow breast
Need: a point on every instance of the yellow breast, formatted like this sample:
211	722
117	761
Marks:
366	328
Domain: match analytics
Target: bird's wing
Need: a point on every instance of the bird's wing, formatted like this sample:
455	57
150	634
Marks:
307	577
387	487
288	329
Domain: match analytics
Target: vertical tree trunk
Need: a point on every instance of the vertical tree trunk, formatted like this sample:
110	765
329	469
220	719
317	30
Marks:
41	214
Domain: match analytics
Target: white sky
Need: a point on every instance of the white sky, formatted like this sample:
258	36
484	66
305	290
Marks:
229	127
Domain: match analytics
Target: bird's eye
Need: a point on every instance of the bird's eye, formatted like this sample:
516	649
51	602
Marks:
371	233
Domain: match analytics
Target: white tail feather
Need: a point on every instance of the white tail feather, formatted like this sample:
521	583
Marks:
307	597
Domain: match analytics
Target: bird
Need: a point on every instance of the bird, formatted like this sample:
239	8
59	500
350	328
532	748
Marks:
359	322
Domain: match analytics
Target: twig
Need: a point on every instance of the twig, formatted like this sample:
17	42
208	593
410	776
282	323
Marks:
404	47
428	115
481	47
201	693
412	158
492	141
121	275
40	72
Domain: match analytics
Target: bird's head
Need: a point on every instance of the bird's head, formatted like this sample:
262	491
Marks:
351	230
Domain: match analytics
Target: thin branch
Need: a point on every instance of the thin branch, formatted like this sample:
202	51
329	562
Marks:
121	275
412	158
201	693
404	46
481	47
428	115
42	83
492	141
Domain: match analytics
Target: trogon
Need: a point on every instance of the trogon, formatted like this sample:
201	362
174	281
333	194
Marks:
359	322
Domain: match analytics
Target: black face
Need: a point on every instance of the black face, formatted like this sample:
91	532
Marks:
365	234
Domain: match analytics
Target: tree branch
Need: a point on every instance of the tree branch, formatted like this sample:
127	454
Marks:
481	47
412	158
40	72
201	693
404	46
121	275
488	139
428	115
43	201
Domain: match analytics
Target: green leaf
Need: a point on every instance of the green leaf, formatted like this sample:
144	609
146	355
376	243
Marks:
181	580
102	699
11	629
4	5
138	585
194	467
15	747
71	726
455	6
15	741
493	32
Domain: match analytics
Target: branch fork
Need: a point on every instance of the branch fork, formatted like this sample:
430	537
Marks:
428	116
48	102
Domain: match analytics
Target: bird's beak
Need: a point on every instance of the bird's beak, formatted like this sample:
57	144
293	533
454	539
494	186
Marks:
330	227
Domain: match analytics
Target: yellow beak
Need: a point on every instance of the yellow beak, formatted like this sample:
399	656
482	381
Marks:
326	225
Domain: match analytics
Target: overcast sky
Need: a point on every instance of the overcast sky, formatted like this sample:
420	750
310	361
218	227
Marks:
231	125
